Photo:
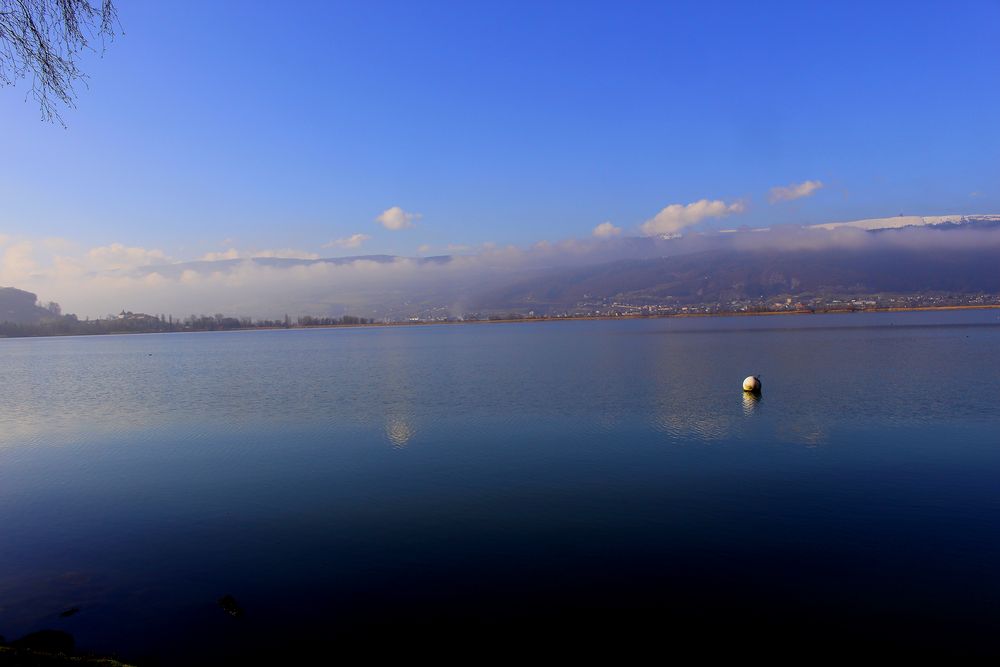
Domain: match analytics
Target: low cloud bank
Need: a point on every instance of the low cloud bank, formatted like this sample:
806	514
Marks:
94	282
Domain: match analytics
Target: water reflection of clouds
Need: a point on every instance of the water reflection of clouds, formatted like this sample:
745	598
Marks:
686	425
802	431
399	431
398	389
686	402
24	424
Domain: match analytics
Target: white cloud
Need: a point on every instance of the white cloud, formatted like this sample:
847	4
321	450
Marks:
794	191
396	218
352	241
58	244
672	219
233	253
606	230
119	256
17	263
425	248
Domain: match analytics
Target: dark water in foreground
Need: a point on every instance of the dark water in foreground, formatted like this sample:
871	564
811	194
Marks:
569	486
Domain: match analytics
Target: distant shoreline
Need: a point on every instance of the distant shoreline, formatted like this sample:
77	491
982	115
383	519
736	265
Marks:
575	318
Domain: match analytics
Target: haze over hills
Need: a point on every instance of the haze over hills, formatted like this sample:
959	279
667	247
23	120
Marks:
900	255
913	255
727	275
277	263
20	307
741	269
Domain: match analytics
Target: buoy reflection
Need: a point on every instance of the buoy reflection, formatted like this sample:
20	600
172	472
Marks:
751	403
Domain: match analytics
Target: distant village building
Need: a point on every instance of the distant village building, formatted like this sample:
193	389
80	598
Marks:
136	317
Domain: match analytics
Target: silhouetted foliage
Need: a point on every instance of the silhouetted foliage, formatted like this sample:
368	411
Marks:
309	321
42	40
129	322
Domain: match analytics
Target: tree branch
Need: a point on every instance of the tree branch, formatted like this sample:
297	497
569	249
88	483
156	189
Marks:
42	40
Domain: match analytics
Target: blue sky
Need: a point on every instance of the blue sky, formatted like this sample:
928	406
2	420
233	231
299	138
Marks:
213	125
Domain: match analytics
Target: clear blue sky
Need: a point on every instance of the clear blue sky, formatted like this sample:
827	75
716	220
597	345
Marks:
277	125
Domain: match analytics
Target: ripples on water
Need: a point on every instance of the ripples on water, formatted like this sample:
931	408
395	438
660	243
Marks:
542	477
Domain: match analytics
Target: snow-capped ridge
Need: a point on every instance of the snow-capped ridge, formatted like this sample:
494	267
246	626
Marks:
900	221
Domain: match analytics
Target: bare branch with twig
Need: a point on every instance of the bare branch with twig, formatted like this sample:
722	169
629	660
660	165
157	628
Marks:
42	40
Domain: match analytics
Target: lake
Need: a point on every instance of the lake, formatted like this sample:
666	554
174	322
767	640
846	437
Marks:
565	486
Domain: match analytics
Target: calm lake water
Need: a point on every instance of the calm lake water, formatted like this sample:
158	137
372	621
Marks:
568	484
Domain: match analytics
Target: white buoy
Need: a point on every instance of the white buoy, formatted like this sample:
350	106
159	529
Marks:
752	384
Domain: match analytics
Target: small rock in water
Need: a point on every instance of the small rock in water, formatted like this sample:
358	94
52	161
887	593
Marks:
69	612
230	606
